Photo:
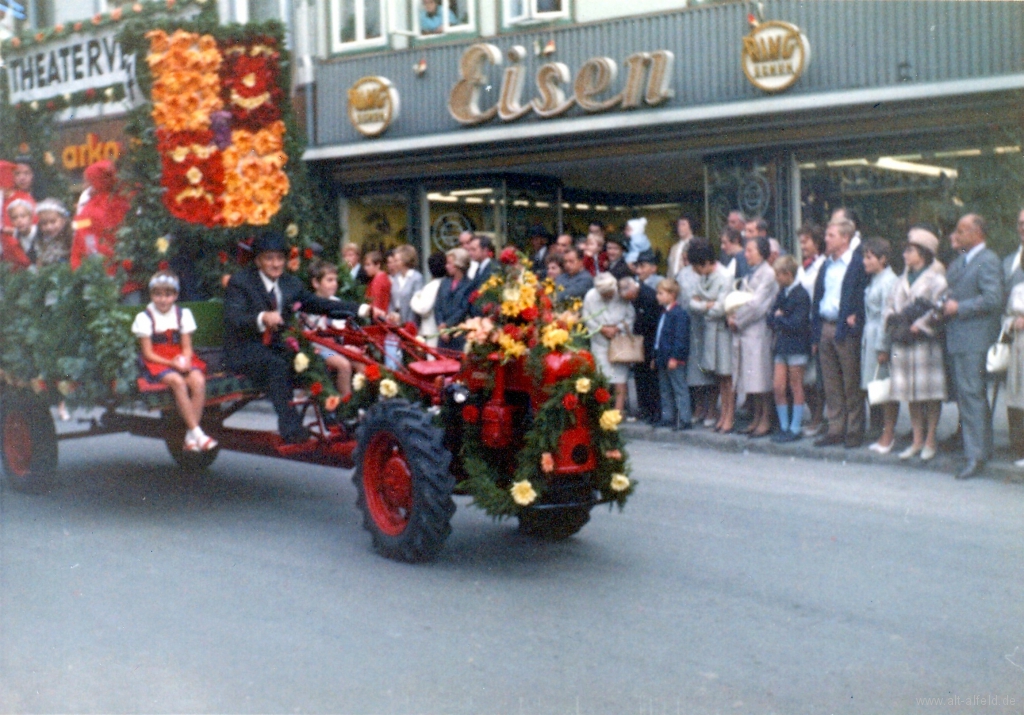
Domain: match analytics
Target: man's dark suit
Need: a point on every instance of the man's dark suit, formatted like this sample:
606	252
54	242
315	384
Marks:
839	351
648	311
269	367
977	287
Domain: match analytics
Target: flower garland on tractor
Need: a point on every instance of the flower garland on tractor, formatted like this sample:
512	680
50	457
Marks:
519	321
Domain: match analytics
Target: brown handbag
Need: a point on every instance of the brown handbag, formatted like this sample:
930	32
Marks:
626	348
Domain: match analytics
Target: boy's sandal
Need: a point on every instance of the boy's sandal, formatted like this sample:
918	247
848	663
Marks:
207	443
191	445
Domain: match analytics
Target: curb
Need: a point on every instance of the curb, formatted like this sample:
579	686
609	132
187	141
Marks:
997	468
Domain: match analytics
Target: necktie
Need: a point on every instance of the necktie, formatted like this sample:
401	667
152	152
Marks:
268	335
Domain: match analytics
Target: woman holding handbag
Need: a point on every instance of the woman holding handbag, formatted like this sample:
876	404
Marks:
752	339
606	315
874	362
914	340
1013	325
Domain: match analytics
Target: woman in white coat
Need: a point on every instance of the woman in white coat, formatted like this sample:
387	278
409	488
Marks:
423	300
606	315
752	338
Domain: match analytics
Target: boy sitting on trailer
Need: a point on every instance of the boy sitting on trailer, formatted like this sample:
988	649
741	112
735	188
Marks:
323	276
258	303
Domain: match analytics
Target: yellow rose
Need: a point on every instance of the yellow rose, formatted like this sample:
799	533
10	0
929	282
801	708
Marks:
358	382
302	362
292	231
553	337
523	493
610	420
388	388
620	483
583	385
65	387
162	244
511	347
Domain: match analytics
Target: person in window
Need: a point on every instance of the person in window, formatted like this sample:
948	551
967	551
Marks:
432	18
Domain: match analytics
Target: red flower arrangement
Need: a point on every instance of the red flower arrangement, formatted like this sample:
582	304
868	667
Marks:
602	395
316	388
570	401
372	372
249	85
508	256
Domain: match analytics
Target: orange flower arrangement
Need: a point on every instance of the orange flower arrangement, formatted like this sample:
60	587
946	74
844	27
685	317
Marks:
186	86
254	177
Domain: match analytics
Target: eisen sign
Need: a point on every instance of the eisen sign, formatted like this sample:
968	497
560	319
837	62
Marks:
648	76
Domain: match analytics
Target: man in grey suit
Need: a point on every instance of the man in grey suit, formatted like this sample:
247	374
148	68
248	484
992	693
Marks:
972	324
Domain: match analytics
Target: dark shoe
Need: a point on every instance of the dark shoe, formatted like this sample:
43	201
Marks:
973	469
296	437
829	440
683	426
853	442
665	423
780	437
759	435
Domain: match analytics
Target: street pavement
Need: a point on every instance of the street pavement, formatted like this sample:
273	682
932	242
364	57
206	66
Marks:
732	583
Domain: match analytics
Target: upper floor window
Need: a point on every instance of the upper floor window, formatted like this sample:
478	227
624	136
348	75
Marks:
356	23
436	17
263	10
527	11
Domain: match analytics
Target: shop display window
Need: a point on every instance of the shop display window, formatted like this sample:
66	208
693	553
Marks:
476	208
434	18
892	192
520	12
357	23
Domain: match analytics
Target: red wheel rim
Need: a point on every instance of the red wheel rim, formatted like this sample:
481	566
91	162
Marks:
387	482
17	444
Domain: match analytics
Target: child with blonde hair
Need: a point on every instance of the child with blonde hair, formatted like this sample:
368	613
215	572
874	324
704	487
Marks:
164	331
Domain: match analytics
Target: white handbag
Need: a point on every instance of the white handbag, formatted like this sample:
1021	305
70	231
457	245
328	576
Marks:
879	390
997	360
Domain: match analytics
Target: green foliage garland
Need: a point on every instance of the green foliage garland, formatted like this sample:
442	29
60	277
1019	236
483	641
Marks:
73	339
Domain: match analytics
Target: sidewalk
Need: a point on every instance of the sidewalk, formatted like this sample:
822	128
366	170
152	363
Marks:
1000	467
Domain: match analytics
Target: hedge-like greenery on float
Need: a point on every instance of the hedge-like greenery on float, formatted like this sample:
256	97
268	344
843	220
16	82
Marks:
73	340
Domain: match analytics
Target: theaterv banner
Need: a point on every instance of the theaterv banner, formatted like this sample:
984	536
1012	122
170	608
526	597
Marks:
63	67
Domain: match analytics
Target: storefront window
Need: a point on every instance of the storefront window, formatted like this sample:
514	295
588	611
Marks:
356	22
891	193
378	222
526	11
465	208
263	10
436	17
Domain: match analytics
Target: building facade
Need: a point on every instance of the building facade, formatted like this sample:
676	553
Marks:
514	113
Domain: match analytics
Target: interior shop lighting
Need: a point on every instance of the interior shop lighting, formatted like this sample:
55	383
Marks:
520	202
620	208
962	152
659	207
473	200
566	206
471	192
582	207
887	162
1006	150
600	207
442	197
542	204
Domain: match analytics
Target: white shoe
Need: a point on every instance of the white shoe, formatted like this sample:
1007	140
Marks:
876	447
1019	463
191	445
927	453
909	452
62	413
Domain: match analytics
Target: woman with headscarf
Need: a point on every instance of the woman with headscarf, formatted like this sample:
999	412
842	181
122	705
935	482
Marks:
606	315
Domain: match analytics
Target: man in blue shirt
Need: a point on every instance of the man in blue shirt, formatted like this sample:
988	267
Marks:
837	316
432	18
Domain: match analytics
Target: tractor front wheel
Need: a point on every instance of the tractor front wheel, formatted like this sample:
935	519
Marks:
28	440
403	481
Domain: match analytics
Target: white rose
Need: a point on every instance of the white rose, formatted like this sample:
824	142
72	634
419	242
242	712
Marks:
388	388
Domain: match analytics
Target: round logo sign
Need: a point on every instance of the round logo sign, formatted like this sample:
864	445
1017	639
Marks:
372	105
775	54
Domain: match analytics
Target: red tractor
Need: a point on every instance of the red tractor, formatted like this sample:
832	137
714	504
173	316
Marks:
409	446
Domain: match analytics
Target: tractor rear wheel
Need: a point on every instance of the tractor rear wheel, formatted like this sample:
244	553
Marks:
403	481
28	440
553	522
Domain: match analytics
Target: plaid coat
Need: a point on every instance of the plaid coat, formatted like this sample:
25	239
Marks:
918	370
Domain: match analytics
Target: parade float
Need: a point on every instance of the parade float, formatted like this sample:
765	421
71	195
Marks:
520	421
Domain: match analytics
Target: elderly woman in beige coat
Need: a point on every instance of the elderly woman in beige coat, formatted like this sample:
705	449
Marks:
917	372
606	315
752	338
1013	324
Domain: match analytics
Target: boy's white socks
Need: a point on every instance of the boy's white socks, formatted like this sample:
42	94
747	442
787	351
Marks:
197	433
